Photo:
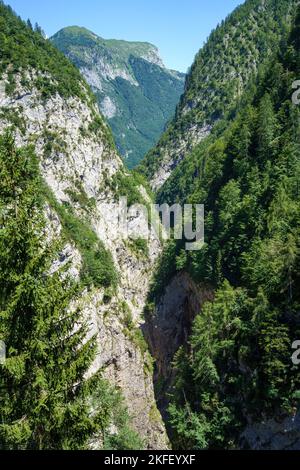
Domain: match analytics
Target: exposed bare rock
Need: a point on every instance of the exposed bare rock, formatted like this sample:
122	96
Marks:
170	325
282	433
175	152
80	158
108	108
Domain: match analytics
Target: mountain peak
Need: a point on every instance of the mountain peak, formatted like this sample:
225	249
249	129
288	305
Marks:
124	49
131	83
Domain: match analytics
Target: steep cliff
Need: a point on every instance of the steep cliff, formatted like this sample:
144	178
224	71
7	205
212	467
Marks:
45	102
135	91
220	321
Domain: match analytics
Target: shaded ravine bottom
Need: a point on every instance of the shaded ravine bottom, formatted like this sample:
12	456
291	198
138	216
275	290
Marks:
168	328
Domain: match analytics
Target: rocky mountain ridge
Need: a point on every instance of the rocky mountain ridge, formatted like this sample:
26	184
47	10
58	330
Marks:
135	91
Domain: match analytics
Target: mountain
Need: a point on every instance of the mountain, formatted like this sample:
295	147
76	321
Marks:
78	373
222	321
134	90
218	76
105	336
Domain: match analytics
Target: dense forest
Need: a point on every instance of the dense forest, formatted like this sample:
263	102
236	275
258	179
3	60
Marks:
64	330
229	59
45	402
237	364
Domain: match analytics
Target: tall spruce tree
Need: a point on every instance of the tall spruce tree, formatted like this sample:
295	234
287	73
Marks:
45	400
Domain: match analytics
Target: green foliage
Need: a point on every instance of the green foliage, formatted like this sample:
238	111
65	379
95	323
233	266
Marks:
166	268
132	331
221	71
79	196
181	260
22	49
97	126
124	184
46	401
139	247
53	143
147	108
123	437
141	111
14	118
98	267
237	364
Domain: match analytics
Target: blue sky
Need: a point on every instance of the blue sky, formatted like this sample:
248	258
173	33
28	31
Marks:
177	27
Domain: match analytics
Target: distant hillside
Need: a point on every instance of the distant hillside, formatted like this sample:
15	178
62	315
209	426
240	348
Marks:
135	92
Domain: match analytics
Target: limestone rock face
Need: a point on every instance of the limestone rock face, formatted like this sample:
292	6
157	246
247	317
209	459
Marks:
169	326
73	158
175	152
131	83
282	433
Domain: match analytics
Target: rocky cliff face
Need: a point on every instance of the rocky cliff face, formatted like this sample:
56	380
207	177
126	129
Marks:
135	91
175	153
168	327
82	161
281	433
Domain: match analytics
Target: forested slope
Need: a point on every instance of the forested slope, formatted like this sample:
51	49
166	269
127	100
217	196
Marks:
235	370
135	91
217	79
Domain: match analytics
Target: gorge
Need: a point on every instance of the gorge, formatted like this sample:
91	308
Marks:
191	349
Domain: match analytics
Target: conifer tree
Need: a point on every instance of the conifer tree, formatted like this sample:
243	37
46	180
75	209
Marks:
265	128
237	364
46	401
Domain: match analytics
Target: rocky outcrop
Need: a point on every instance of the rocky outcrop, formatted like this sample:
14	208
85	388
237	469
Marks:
74	158
131	83
127	364
176	151
169	326
282	433
152	56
